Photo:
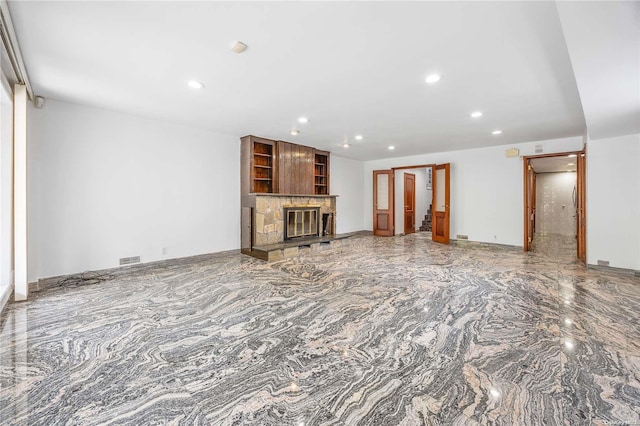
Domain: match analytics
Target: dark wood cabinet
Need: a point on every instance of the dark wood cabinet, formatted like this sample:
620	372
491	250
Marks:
295	168
259	165
321	173
281	167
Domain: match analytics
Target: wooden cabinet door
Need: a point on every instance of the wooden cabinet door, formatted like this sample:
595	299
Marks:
295	168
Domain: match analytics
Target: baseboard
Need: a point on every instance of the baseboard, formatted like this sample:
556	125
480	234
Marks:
625	271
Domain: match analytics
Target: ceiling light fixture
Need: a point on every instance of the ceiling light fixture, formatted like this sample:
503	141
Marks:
432	78
303	120
294	132
345	145
391	148
358	137
194	84
496	132
476	114
238	46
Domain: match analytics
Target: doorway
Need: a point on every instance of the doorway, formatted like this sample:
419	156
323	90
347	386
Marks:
413	194
554	204
404	197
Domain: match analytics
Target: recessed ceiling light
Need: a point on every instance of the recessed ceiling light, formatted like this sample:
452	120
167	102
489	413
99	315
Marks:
238	46
391	148
432	78
476	114
496	132
358	137
294	132
571	156
345	145
303	120
194	84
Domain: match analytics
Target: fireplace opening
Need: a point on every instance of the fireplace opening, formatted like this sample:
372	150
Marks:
301	222
327	224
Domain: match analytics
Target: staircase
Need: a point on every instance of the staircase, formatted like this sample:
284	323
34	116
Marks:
426	223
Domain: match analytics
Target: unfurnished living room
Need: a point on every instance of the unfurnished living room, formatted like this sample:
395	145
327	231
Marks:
320	213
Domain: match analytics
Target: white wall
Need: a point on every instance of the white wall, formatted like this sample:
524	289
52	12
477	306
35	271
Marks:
486	188
398	202
105	185
6	191
347	182
555	210
613	201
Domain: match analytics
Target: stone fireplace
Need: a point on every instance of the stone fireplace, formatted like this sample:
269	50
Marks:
279	218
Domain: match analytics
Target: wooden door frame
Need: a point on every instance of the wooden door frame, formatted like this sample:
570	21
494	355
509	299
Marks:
418	166
581	200
404	202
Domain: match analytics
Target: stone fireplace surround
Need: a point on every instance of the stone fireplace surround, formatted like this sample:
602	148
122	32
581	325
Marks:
269	214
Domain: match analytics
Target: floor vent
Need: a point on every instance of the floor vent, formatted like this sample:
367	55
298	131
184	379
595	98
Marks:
603	263
462	237
129	260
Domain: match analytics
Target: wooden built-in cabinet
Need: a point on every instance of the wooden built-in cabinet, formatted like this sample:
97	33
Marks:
295	169
259	165
321	173
280	167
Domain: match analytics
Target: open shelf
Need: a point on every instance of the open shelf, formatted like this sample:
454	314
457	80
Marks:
321	174
262	175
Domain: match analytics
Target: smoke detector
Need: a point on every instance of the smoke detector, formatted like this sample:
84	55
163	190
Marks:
238	46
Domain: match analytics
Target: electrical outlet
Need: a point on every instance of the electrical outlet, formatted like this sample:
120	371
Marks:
164	251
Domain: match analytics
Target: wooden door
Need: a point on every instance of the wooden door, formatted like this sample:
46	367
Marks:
529	204
440	203
383	203
409	203
581	193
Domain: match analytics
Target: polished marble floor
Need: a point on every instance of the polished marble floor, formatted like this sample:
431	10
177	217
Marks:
385	331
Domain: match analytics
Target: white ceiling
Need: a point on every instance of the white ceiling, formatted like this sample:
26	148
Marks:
351	67
604	46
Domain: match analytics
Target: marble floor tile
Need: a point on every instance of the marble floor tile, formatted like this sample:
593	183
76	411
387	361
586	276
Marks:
384	331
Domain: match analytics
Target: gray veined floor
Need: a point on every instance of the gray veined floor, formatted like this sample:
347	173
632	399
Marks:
385	331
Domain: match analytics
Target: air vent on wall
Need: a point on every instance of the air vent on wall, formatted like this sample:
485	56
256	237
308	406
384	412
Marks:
539	149
129	260
603	263
462	237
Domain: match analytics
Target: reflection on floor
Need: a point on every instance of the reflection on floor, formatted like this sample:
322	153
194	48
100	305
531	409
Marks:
385	331
554	245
